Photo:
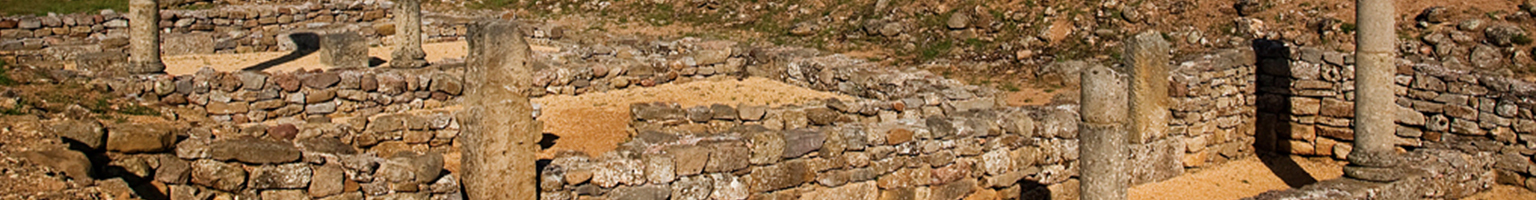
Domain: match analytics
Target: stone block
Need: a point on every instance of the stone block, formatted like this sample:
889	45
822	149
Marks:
344	50
187	43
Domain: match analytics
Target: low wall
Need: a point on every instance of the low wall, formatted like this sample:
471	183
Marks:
222	29
1311	93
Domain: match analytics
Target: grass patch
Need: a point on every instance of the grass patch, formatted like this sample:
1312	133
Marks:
5	75
935	50
43	7
489	4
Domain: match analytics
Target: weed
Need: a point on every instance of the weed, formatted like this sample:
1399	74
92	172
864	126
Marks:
5	75
41	7
1348	27
934	50
135	109
1522	39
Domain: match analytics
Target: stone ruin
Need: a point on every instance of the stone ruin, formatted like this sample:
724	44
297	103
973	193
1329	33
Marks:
355	132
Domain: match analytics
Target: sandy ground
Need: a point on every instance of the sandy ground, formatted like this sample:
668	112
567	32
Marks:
1503	192
1238	179
597	122
188	64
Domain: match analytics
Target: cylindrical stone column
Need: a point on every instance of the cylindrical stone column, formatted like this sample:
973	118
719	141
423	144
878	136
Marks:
144	35
1103	145
501	135
1374	154
408	52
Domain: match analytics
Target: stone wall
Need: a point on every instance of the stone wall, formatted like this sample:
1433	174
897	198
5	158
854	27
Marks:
294	135
221	29
909	133
1309	91
1213	107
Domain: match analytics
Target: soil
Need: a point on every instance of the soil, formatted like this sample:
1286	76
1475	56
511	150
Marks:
1503	192
1241	178
597	122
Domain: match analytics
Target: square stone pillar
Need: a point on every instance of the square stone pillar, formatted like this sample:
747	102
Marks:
501	136
344	49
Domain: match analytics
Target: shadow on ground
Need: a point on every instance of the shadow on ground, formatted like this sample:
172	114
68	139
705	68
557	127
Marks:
307	43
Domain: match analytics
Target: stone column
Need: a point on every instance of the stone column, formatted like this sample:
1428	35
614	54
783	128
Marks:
144	32
501	136
1103	144
1374	155
408	53
1146	59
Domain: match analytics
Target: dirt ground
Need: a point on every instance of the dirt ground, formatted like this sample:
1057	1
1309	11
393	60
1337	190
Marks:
1240	178
597	122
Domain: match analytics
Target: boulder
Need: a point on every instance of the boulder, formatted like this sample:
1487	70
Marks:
138	138
73	163
254	151
86	132
227	177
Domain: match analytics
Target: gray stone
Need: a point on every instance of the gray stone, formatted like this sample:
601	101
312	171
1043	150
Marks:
284	176
218	175
255	151
1506	35
723	112
87	132
660	169
343	50
799	142
699	114
727	157
173	170
186	44
135	138
780	176
692	188
822	116
767	147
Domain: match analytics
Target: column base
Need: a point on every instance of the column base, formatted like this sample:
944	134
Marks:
143	67
408	60
1359	157
1374	174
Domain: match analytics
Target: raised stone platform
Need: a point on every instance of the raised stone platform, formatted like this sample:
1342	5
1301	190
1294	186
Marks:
1428	174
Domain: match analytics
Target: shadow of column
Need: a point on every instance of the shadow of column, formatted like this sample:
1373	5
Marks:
307	43
1272	138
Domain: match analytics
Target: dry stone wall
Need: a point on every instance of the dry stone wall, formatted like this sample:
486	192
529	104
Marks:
222	29
909	134
1487	116
297	135
1212	108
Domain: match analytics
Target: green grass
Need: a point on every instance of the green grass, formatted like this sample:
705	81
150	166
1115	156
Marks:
5	75
491	4
43	7
931	51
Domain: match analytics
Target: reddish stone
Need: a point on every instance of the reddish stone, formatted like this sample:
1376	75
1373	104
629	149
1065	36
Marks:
283	132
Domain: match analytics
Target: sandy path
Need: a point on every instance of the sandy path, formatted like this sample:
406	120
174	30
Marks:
188	64
597	122
1233	180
